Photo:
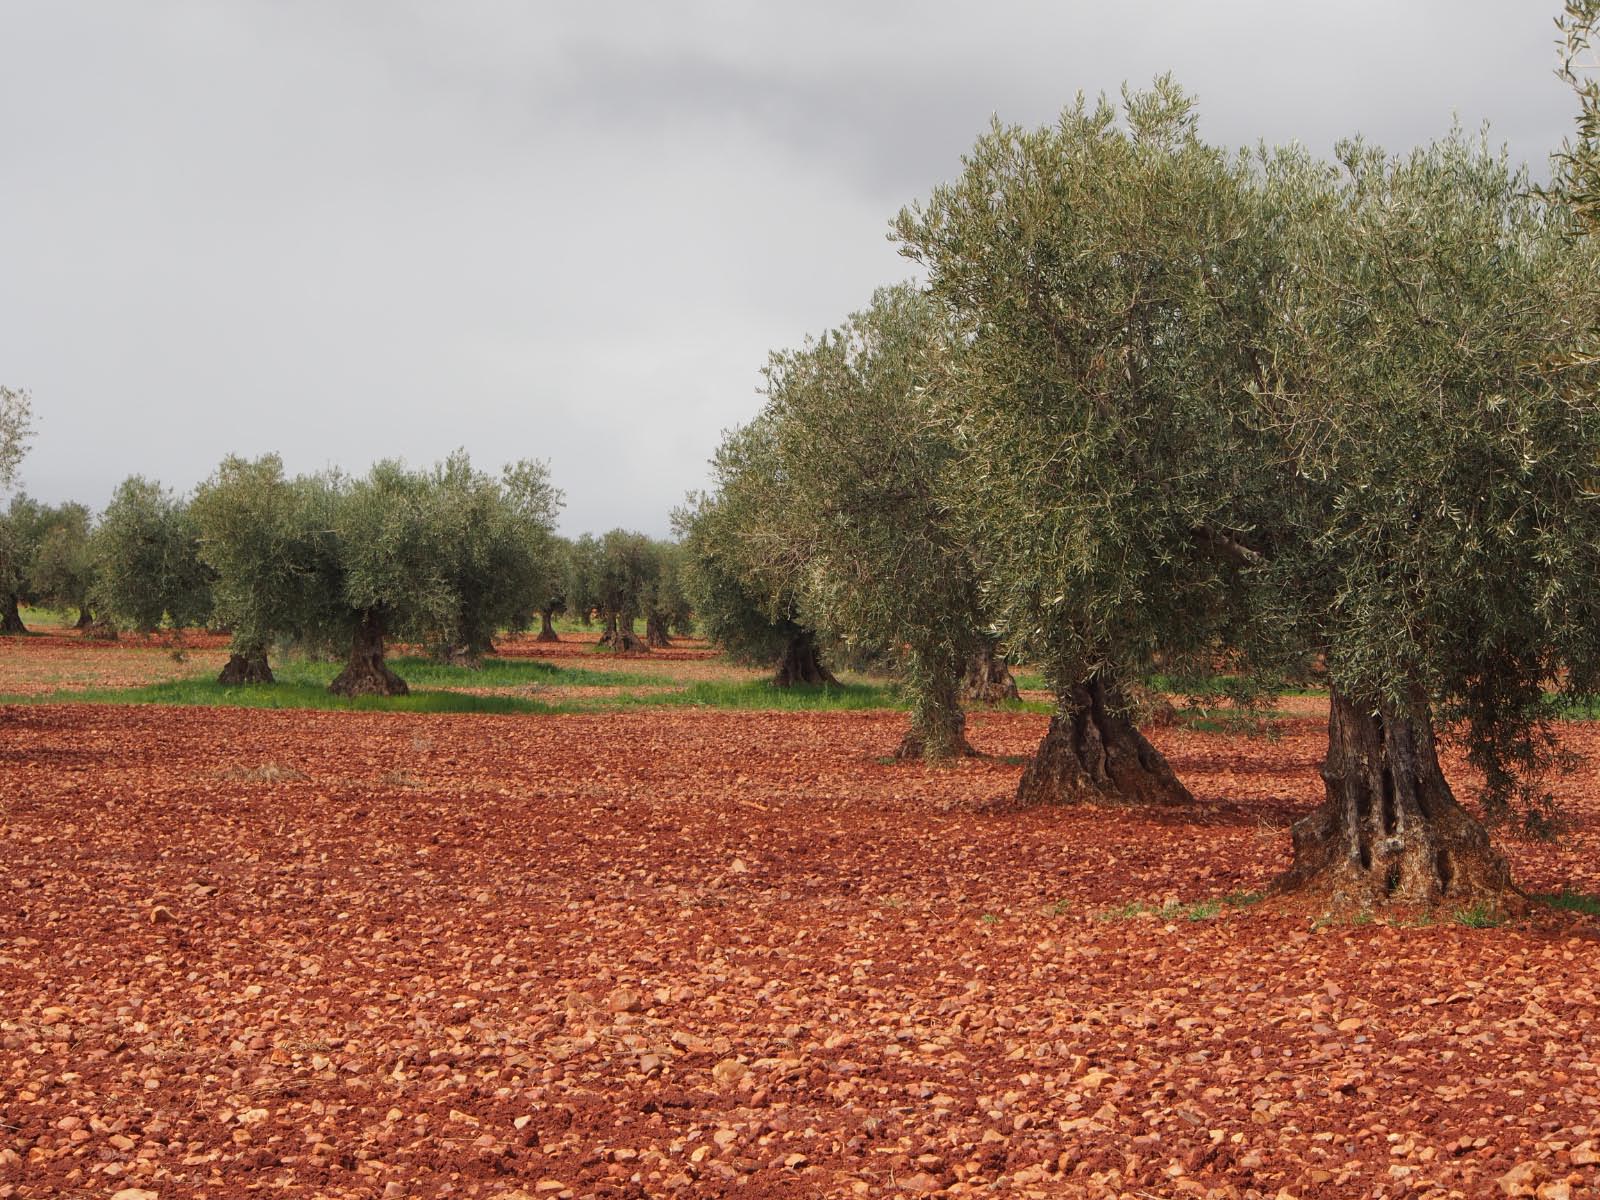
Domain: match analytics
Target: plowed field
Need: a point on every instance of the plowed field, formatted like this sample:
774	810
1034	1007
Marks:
701	953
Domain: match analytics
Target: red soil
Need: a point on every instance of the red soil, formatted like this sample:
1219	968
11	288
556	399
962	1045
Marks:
698	953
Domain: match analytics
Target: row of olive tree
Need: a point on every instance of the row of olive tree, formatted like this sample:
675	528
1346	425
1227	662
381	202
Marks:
622	577
444	556
1160	405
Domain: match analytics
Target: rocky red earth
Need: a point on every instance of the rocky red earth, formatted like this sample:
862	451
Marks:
699	953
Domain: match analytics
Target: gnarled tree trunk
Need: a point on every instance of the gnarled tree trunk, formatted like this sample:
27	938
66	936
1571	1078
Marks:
365	673
11	617
85	618
987	679
1093	753
547	630
619	635
801	663
655	632
246	666
1390	830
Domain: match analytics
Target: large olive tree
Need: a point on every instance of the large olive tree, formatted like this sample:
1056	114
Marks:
1291	412
1428	402
1097	272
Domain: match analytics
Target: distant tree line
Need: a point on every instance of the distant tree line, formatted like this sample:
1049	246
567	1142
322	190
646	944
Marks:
445	557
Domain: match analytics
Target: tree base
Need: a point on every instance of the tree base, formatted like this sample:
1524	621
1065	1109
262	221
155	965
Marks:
915	747
547	635
101	631
1390	831
800	663
458	656
1093	754
11	618
988	679
366	674
368	679
241	669
655	634
624	641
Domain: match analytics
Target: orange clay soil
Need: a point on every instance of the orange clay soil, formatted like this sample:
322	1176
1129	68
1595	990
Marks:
52	658
699	953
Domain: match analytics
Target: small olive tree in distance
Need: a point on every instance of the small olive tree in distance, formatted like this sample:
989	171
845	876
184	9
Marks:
552	597
742	602
621	569
44	559
666	603
864	525
392	553
62	571
147	567
21	528
255	534
501	559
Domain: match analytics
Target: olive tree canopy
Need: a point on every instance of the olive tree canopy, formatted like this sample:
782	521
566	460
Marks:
859	524
147	567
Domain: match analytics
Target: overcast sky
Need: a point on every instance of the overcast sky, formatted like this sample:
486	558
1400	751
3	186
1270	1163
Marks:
349	231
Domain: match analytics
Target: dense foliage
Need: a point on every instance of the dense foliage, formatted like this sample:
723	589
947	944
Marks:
146	561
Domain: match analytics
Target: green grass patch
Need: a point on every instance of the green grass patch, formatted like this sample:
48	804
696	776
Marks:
207	693
303	683
760	694
1481	915
1571	901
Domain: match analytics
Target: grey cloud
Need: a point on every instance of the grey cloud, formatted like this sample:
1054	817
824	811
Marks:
345	231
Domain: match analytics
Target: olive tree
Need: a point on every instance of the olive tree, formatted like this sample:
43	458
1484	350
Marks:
499	556
21	528
552	596
1429	400
146	561
62	570
1094	270
391	555
16	426
666	604
864	527
618	570
1292	412
1577	181
745	602
253	523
